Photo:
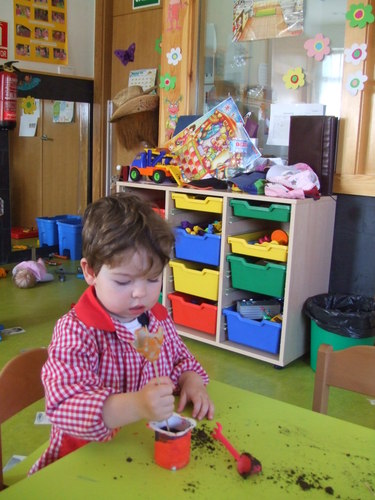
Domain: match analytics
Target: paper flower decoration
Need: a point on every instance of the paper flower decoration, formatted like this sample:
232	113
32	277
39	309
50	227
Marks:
355	82
174	56
167	81
317	47
158	45
28	105
359	15
356	53
294	78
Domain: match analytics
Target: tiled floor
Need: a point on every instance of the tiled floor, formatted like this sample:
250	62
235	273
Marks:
37	309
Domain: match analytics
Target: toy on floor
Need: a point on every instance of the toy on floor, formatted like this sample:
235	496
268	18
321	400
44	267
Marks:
28	273
3	272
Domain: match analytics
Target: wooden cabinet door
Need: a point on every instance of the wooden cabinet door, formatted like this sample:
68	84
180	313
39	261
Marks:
65	162
25	174
49	172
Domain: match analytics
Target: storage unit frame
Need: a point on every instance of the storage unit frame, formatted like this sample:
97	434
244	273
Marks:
310	230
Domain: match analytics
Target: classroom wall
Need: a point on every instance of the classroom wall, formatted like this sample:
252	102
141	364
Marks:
81	40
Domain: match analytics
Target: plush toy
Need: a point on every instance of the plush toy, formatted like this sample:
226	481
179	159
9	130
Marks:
28	273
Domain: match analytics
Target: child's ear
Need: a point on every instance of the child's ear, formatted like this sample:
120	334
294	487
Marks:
88	272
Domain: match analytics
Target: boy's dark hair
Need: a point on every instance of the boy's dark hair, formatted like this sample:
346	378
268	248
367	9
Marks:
117	223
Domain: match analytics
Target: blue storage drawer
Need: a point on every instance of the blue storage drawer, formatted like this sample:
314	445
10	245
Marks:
204	249
263	335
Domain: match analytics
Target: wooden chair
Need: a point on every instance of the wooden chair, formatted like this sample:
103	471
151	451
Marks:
352	369
20	386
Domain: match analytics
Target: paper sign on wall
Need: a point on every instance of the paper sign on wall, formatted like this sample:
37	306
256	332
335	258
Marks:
146	78
3	40
40	31
280	120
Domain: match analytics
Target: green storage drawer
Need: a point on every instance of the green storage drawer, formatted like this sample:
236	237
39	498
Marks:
270	211
262	277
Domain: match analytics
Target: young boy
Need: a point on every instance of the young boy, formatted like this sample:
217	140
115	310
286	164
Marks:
95	380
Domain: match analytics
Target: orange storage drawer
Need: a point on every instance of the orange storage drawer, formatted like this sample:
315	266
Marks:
193	312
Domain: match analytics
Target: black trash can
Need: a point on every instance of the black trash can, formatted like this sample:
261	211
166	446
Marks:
341	321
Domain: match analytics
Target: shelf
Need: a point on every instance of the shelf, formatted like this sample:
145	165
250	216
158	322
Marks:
301	271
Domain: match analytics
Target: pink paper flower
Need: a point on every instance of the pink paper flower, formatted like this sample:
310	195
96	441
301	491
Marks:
317	47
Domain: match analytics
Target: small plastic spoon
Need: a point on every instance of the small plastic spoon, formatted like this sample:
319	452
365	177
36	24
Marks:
247	465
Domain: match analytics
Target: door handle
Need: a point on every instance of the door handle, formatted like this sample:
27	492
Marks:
46	138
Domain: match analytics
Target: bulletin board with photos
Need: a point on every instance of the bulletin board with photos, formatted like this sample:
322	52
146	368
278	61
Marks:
40	31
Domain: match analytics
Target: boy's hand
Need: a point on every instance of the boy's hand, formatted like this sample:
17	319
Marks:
193	389
156	399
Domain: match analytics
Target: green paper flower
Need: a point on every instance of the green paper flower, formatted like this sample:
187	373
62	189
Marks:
359	15
167	81
158	45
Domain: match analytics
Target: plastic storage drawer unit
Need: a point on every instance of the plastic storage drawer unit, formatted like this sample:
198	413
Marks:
204	249
194	280
198	204
272	211
262	277
193	312
246	244
263	335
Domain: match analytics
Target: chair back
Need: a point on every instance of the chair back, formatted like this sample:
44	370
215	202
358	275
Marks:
20	386
352	369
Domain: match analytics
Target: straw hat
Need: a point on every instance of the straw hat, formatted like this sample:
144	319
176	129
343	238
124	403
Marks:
134	100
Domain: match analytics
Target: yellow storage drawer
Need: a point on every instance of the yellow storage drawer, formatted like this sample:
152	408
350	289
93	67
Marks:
212	204
194	280
246	244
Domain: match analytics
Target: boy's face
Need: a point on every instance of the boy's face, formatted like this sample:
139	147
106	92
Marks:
125	290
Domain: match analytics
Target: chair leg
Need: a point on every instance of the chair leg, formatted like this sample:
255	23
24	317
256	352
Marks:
321	388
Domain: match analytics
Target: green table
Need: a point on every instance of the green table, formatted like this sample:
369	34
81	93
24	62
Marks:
304	455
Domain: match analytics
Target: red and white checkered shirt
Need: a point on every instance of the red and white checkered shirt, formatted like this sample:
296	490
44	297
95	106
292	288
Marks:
91	357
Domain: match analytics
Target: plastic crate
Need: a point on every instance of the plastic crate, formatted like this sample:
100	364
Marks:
19	233
263	277
194	280
48	231
212	204
193	313
243	244
273	211
70	237
204	249
263	335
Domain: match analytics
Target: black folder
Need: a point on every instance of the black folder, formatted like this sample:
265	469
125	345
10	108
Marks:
313	140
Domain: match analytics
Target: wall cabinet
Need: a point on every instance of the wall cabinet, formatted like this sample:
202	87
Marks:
49	174
209	274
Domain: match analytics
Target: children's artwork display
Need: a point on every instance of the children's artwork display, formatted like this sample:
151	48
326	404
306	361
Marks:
215	145
261	19
40	31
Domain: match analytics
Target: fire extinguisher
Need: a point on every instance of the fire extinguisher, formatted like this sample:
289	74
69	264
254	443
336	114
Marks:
8	95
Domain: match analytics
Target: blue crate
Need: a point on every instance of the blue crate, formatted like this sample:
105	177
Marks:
263	335
47	229
204	249
70	237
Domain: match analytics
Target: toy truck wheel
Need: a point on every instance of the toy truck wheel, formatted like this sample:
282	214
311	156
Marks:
158	176
135	174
